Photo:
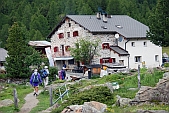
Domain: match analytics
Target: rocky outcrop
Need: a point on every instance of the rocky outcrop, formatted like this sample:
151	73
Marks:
87	107
159	94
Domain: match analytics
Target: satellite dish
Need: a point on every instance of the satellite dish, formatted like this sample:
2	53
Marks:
116	35
120	38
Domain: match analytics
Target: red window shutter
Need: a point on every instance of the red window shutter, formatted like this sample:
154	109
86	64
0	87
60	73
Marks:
102	46
55	49
108	46
101	61
61	35
75	33
110	60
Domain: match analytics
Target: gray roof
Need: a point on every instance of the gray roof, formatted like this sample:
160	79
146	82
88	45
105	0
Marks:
3	54
119	50
39	43
130	28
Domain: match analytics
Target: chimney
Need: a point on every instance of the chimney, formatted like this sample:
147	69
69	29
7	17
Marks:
98	15
104	18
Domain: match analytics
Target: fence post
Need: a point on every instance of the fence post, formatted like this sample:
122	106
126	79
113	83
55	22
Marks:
139	84
51	92
15	99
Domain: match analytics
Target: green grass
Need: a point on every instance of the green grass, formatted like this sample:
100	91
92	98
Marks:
100	94
165	50
7	93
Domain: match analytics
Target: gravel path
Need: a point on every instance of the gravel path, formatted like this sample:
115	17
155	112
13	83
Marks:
30	102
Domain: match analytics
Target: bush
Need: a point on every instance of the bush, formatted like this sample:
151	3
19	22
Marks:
53	72
166	64
100	94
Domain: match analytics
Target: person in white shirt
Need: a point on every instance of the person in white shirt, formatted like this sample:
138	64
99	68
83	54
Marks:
46	79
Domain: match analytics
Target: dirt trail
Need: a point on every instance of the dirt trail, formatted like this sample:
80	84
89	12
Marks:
30	102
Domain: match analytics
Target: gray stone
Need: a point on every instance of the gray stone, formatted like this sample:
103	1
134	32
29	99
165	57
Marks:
6	102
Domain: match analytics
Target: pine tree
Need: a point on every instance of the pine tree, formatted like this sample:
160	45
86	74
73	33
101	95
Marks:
159	24
19	52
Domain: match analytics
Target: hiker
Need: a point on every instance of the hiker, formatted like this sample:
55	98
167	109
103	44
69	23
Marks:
45	74
35	80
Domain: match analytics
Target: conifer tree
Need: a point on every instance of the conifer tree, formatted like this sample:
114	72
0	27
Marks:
159	24
21	56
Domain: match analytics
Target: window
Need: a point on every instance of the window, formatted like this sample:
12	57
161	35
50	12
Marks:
69	24
56	49
105	46
156	58
75	33
145	44
67	48
61	35
137	58
68	34
121	62
106	60
133	44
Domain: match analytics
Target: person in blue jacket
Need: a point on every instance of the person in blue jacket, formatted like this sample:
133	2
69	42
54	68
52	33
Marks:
35	80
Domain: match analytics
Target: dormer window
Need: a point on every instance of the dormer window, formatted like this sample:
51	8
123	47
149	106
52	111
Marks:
75	33
105	46
61	35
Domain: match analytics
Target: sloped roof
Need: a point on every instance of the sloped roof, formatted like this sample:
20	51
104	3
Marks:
39	43
122	24
3	54
119	50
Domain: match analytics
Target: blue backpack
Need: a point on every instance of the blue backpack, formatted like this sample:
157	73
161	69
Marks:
35	78
44	73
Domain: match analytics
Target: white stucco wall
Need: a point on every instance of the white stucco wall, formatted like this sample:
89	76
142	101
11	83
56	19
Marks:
147	53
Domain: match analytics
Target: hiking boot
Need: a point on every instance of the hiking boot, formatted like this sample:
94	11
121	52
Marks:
34	93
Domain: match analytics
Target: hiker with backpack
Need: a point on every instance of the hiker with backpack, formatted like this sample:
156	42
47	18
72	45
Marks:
35	80
44	74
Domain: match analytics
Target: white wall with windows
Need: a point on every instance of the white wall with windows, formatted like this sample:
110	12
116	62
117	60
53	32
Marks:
143	53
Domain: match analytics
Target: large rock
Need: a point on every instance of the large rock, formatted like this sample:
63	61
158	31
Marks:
87	107
6	102
160	93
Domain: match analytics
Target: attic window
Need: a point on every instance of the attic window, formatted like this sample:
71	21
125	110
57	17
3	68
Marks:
119	26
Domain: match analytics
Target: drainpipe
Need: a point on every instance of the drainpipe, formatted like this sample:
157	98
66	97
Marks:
126	43
125	49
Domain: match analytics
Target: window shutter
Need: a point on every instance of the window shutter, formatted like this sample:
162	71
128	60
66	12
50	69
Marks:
75	33
101	61
110	60
61	35
55	49
108	46
102	46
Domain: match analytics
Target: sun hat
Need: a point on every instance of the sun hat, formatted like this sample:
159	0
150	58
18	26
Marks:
35	70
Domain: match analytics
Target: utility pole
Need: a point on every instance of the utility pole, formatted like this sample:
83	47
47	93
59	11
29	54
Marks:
139	84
